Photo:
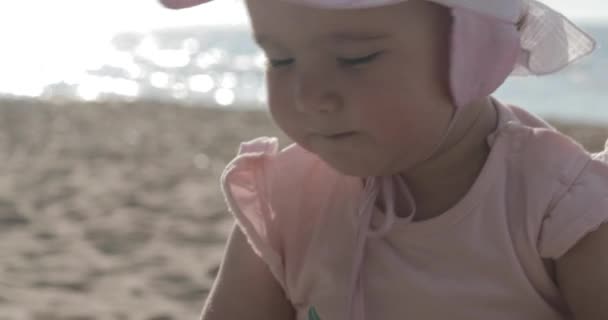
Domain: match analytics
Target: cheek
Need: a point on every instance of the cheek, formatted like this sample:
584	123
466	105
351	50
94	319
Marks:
401	113
383	95
411	75
280	106
390	82
399	97
278	95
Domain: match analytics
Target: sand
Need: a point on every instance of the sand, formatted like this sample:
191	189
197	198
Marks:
113	210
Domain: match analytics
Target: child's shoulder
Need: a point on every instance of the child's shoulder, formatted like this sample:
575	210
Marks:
561	177
580	206
540	149
265	180
279	197
262	160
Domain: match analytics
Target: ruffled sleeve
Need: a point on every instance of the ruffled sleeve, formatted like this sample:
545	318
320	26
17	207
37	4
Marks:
279	199
245	186
581	209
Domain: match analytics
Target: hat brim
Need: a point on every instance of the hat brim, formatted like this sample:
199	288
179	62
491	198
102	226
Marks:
181	4
550	41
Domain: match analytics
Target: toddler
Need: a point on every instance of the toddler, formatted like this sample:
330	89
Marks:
410	192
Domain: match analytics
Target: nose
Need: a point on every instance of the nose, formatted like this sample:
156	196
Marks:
314	92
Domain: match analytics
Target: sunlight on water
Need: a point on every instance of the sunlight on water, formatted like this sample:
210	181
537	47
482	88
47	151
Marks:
191	45
201	83
223	67
115	60
260	61
88	93
229	80
224	97
244	63
167	58
24	88
92	87
261	96
22	82
210	58
147	47
200	67
160	80
171	58
127	88
179	91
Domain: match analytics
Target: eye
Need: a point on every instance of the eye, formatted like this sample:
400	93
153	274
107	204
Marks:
360	60
277	63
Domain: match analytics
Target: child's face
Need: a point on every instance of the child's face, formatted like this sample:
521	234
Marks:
366	90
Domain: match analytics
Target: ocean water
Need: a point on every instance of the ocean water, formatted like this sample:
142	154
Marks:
221	67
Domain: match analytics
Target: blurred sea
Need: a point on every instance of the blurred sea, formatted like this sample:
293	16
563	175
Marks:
220	66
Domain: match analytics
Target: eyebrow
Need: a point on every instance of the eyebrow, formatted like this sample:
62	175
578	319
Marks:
339	37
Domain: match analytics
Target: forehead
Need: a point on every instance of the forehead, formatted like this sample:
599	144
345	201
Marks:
284	21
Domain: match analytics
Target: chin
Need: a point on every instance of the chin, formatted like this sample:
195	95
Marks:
370	168
355	168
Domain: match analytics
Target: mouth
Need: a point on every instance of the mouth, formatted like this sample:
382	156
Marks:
339	136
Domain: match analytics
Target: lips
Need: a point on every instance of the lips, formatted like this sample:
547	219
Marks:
340	135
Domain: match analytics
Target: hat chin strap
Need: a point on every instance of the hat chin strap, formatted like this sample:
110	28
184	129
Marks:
483	53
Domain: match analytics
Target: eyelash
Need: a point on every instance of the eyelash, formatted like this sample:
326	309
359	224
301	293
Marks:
361	60
279	63
342	61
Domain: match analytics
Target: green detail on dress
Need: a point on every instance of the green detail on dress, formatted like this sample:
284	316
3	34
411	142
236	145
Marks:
312	314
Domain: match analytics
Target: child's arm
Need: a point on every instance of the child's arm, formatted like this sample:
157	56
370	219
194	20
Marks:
583	276
245	289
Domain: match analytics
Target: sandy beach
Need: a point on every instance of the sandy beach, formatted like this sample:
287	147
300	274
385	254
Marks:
113	210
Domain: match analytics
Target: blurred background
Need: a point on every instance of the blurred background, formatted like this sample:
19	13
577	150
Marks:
116	120
117	50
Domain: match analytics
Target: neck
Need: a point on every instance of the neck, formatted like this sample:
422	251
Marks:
439	183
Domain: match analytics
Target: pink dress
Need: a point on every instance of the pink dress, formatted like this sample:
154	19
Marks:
488	257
